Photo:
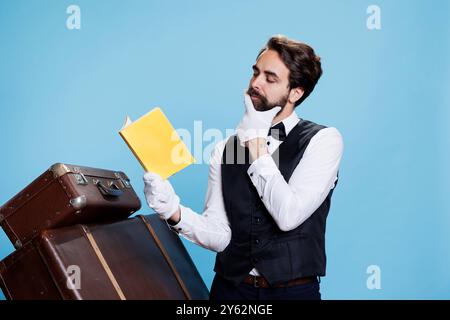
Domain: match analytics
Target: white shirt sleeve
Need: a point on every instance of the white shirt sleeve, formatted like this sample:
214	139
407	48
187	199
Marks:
210	230
291	203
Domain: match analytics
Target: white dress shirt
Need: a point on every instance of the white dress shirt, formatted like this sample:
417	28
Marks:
290	203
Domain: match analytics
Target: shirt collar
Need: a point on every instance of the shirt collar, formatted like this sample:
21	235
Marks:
290	122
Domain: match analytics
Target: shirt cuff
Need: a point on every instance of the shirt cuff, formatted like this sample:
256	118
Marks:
185	222
261	170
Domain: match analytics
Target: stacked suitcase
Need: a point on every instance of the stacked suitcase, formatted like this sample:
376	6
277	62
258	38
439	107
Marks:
74	240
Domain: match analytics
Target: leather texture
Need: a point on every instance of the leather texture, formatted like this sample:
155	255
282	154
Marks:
52	200
137	258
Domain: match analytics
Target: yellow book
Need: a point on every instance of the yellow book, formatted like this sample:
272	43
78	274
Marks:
156	144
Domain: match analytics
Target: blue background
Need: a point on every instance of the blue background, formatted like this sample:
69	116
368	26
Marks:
64	95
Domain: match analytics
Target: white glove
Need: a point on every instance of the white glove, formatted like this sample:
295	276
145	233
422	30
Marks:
160	195
255	124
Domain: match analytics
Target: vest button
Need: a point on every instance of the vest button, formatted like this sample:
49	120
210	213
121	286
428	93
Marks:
257	219
256	241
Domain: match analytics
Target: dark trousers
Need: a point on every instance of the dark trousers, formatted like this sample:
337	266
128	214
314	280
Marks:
222	289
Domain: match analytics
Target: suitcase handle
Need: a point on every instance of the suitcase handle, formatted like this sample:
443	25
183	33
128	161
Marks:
114	191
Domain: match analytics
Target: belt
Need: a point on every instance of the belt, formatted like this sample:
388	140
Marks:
261	282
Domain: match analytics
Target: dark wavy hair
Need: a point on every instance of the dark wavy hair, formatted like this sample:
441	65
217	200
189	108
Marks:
304	65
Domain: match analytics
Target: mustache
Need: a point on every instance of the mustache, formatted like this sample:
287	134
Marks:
253	92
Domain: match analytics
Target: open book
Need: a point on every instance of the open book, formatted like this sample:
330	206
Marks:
156	144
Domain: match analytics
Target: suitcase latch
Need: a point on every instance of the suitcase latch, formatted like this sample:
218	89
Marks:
79	177
125	182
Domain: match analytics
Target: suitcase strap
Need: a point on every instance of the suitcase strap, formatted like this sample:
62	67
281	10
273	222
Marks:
103	262
8	294
166	256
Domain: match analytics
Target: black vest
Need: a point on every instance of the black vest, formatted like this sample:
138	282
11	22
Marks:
256	240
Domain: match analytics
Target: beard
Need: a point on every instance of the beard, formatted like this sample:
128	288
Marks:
262	104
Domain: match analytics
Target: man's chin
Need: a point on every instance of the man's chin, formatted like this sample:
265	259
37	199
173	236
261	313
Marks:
263	107
259	106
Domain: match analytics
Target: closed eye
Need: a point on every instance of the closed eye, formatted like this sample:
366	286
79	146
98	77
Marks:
271	77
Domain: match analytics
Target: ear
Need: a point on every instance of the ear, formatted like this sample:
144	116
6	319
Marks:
295	94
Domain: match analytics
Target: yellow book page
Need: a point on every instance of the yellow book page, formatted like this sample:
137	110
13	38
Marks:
156	144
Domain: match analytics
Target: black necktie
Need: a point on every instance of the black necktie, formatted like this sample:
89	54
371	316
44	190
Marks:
278	131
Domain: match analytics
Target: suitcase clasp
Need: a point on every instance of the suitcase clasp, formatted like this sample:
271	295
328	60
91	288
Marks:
79	176
80	179
125	182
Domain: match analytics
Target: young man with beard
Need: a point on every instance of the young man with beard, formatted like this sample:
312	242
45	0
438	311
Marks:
269	188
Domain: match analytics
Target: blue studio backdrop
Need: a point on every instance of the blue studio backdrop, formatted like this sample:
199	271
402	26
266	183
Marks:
65	90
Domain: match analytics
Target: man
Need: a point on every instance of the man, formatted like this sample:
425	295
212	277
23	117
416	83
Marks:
265	216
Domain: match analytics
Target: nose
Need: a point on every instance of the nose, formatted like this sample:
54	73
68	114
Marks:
256	83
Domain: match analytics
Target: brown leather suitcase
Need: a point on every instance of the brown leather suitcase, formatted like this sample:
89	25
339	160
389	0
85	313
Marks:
24	276
138	258
65	195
